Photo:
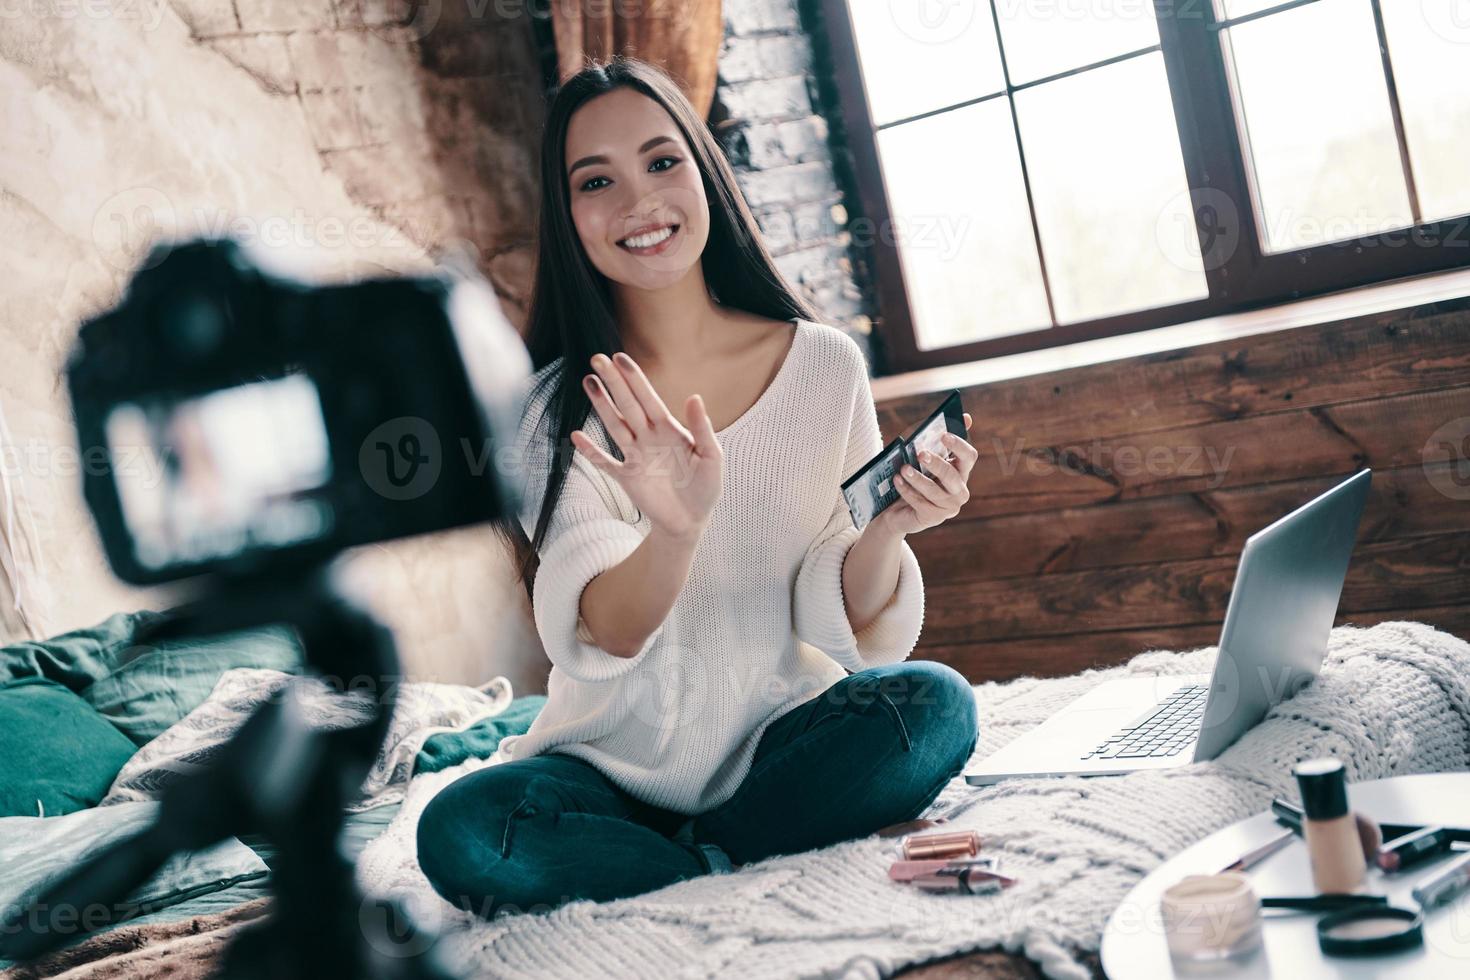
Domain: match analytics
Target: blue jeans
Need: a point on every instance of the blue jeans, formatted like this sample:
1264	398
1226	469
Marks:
874	749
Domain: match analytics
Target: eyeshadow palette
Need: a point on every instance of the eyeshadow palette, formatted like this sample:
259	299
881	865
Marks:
870	490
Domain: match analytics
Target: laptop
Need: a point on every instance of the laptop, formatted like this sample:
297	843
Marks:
1281	609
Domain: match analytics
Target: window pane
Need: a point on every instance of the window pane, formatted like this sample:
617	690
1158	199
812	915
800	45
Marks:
1430	48
1111	198
962	226
1229	9
1318	124
922	56
1045	37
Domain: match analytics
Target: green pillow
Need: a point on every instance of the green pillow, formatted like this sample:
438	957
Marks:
76	659
153	686
143	688
57	754
480	740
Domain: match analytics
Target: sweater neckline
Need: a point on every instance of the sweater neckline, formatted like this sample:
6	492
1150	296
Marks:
776	382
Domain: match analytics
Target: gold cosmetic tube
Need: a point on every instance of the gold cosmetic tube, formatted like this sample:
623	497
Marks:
950	844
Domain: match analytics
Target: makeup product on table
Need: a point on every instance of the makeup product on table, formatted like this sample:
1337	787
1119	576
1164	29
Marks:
1288	813
1370	835
1211	917
1411	849
1370	929
1445	886
1322	903
1333	843
947	844
1256	855
1371	832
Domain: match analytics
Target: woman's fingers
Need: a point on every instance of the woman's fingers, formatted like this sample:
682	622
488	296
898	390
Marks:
962	448
594	453
612	419
929	491
965	454
944	471
936	497
912	497
653	406
622	395
704	430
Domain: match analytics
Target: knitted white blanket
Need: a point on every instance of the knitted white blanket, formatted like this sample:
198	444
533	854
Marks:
1392	700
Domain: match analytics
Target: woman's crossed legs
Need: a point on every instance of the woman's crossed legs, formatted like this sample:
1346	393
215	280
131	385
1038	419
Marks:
872	750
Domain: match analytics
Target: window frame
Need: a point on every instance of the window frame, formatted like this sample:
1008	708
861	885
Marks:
1245	277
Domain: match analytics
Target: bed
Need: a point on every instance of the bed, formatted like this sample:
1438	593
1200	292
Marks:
1393	699
95	725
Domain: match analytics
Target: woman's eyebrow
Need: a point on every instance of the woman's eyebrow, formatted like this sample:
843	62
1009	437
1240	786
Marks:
599	158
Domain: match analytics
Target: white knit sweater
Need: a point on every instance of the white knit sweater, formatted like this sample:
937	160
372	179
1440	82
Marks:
760	625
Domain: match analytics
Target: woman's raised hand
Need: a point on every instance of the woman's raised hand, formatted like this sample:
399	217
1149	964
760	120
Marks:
672	474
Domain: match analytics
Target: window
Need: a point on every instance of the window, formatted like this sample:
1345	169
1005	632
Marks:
1037	172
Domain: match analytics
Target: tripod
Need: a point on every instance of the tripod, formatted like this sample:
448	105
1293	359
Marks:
281	778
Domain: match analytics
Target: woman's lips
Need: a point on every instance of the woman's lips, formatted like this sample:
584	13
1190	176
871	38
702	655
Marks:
654	249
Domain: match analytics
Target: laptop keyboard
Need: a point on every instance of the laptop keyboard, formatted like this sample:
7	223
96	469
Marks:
1167	729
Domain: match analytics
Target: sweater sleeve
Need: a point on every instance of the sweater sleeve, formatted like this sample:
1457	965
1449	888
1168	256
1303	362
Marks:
819	607
585	538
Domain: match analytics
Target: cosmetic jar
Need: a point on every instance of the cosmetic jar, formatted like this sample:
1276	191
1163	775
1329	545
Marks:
1211	917
1370	930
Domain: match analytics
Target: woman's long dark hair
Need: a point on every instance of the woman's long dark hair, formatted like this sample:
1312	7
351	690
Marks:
571	312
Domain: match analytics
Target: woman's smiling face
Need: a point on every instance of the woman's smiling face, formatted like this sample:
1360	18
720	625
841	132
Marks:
636	196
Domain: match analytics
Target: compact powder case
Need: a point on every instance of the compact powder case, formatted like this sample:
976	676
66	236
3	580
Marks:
1370	930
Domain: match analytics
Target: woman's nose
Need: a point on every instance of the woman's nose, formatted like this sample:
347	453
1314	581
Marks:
641	199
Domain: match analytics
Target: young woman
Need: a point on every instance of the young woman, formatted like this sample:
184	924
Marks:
698	583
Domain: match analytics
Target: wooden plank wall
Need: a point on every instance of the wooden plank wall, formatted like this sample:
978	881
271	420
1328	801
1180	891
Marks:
1110	502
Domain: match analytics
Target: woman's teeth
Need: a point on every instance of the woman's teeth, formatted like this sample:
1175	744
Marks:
647	240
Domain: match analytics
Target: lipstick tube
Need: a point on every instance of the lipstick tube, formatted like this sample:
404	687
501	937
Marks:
952	844
909	870
976	872
966	881
1409	850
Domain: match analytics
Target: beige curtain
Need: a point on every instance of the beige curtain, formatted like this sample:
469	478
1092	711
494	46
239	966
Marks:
681	36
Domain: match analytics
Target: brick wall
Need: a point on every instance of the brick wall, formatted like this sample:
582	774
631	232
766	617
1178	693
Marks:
428	114
359	136
772	117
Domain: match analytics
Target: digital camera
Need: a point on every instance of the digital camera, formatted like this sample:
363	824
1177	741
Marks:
237	420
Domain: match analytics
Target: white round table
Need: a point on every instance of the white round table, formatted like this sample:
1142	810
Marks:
1133	946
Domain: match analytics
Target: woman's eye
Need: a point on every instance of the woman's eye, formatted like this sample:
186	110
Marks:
657	166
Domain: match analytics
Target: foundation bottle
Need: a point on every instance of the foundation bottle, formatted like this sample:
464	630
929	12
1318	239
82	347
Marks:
1330	828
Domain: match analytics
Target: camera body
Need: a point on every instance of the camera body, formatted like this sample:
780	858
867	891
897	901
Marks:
234	420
